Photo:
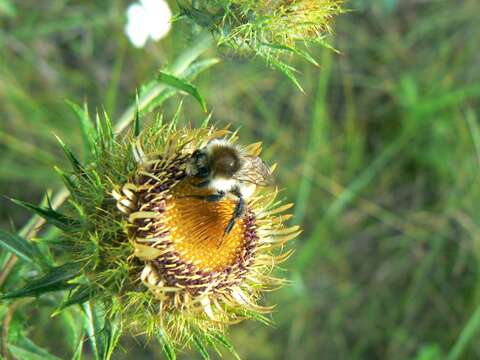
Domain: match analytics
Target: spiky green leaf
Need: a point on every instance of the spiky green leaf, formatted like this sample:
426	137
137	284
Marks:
201	347
25	250
197	67
176	117
219	337
105	136
67	180
295	50
103	332
86	127
182	85
56	279
109	133
78	295
167	347
76	164
190	73
52	216
286	70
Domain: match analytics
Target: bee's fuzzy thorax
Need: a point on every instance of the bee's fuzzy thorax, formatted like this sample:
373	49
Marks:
223	145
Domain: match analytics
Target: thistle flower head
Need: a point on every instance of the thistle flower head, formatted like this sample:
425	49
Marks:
285	22
152	249
267	28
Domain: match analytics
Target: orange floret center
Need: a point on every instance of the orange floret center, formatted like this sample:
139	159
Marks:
197	229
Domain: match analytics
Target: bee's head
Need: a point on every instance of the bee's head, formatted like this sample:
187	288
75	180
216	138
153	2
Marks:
217	159
200	163
225	161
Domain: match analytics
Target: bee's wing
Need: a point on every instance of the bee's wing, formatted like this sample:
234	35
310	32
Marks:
255	171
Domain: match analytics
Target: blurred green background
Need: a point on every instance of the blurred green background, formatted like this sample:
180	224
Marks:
381	157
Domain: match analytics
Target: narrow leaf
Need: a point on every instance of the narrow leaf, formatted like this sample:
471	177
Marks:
104	136
167	347
66	180
211	344
286	70
158	122
112	332
55	280
201	348
197	67
92	329
103	332
50	215
25	250
206	121
29	227
224	341
302	53
100	131
182	85
176	117
86	127
136	120
109	133
79	295
190	73
77	166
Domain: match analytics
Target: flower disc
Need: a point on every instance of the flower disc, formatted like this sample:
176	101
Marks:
198	228
189	264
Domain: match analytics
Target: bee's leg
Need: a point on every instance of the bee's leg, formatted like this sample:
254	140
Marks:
215	197
210	198
237	212
202	184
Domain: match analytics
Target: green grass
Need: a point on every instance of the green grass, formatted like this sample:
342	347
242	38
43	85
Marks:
381	157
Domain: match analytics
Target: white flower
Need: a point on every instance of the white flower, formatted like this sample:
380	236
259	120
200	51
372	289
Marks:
148	19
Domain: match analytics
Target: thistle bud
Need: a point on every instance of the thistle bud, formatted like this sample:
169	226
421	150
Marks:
264	27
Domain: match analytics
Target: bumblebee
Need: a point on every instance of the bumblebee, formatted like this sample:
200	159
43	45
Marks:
227	171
